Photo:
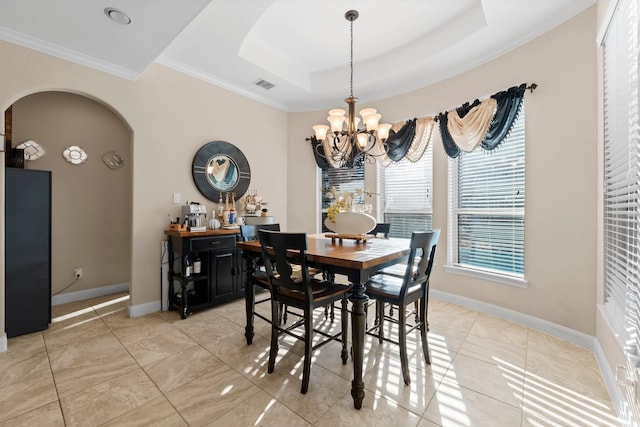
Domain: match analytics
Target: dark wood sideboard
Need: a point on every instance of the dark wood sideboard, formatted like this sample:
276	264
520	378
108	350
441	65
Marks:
220	278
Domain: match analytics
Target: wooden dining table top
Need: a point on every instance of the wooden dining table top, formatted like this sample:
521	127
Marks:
347	253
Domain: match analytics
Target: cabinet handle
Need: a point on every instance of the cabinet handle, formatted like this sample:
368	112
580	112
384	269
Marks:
215	242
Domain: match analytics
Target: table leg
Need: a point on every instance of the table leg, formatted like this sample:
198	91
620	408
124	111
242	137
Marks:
249	266
358	302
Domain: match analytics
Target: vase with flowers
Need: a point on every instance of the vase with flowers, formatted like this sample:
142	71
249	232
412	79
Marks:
348	212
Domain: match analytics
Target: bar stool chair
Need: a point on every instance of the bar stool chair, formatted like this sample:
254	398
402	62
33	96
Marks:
300	291
247	233
402	291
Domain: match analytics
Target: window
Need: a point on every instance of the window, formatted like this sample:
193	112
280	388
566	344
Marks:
406	200
621	188
486	210
344	179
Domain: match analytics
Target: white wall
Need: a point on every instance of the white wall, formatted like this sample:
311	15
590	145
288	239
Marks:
561	187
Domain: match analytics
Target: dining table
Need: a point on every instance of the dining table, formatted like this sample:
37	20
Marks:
355	259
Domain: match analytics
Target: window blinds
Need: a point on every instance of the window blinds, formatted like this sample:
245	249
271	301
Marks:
345	180
406	195
622	176
487	196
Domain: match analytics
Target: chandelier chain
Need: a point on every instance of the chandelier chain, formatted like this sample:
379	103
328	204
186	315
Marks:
351	63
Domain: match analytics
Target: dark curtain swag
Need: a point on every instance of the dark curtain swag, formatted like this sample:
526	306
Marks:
507	106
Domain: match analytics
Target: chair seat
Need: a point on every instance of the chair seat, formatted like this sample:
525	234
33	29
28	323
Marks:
322	291
398	270
388	287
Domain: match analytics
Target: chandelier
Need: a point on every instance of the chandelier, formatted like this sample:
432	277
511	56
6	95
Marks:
346	145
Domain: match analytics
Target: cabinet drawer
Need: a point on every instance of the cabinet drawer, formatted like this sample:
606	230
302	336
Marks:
200	244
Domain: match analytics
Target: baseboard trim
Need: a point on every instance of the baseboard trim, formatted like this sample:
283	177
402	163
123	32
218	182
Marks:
146	308
89	293
3	343
549	328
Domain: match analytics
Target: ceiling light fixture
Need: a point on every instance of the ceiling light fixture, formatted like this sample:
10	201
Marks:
117	16
351	146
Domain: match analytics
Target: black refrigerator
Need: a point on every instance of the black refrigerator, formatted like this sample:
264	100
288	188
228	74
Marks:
27	251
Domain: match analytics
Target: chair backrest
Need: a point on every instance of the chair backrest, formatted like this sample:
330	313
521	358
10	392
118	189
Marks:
422	252
279	252
250	232
381	228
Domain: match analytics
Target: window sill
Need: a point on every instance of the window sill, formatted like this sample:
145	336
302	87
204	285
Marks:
504	279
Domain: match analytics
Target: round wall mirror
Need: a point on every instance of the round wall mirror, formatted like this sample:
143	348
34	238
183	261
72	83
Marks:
220	167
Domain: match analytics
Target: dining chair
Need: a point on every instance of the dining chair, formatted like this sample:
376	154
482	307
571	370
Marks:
281	253
248	233
381	228
398	291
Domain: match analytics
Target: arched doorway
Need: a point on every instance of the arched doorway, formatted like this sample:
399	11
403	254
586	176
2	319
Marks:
91	200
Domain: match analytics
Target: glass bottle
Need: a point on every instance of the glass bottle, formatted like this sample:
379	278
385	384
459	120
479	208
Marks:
197	264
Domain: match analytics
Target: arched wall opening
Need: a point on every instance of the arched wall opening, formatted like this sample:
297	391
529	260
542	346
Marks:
91	201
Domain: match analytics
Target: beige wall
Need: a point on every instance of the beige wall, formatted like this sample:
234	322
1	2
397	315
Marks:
170	116
561	185
91	204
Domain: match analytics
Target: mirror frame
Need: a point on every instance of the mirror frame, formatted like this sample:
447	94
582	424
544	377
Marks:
203	179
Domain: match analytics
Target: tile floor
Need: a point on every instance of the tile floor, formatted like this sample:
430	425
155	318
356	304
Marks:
94	366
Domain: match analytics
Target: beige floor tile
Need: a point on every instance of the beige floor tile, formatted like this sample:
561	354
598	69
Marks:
580	378
502	382
232	346
70	309
74	329
260	410
147	327
108	400
500	330
426	423
452	315
385	379
441	336
325	387
212	395
22	366
375	411
181	368
495	352
24	345
157	413
456	406
105	306
22	397
89	362
49	415
543	343
158	347
204	327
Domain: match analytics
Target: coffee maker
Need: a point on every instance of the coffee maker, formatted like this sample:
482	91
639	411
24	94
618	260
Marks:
193	213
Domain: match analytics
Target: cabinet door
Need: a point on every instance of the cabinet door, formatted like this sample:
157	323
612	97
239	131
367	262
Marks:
222	277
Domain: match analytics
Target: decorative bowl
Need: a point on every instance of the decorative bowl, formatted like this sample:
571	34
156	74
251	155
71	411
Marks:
351	223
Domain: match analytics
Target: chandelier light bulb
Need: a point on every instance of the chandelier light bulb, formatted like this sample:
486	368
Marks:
321	132
362	140
336	122
383	131
371	121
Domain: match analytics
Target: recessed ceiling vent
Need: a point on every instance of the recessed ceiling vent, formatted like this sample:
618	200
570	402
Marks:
264	84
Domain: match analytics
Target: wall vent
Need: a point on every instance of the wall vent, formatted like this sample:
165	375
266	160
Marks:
264	84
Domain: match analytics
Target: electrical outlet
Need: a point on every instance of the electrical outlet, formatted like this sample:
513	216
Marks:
176	198
77	273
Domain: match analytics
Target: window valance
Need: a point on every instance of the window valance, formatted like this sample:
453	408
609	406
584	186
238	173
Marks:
484	123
